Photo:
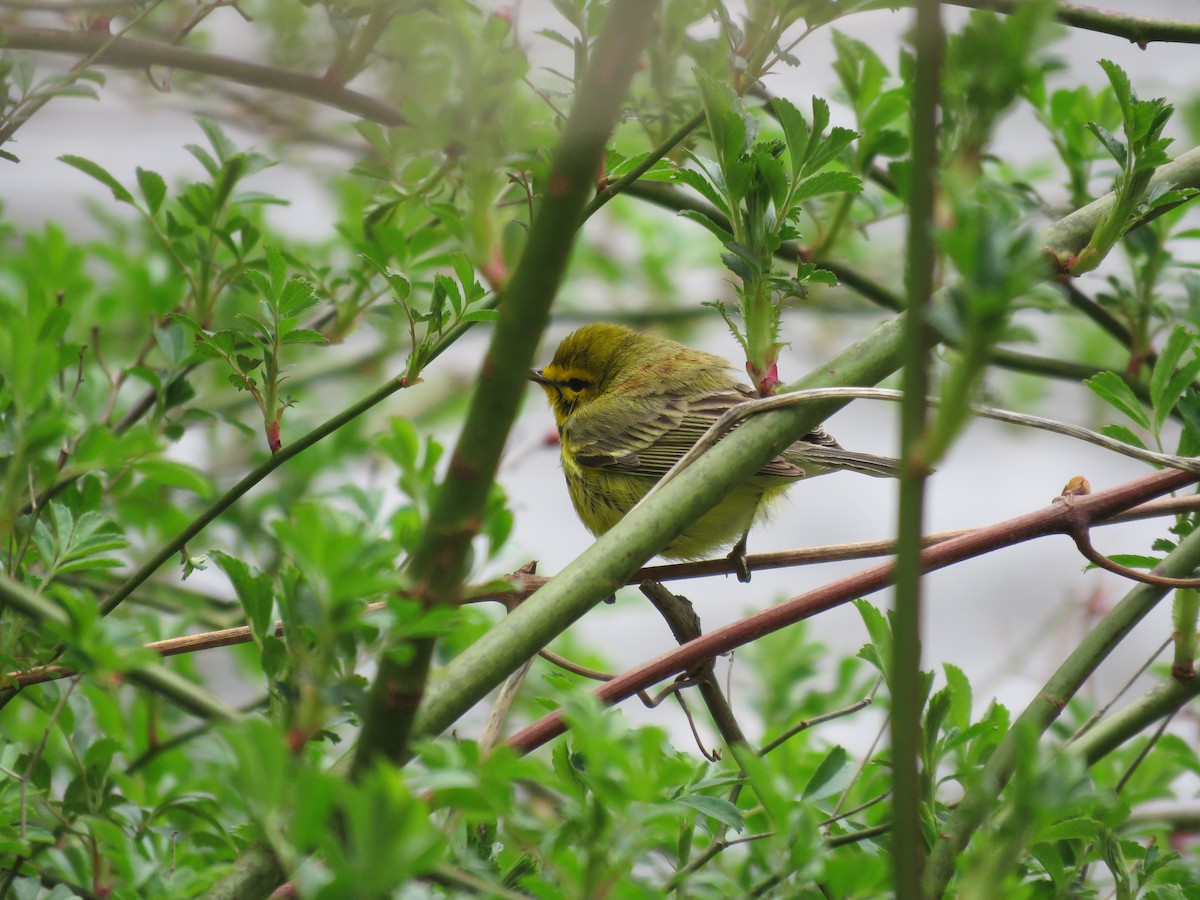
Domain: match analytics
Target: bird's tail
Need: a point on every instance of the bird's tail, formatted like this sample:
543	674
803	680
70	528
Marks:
828	458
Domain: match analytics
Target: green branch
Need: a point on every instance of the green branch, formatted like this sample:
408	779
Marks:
1049	702
919	338
1070	234
438	565
1161	701
1141	30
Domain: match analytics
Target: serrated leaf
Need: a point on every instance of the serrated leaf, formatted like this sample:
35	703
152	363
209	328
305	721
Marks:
699	218
1123	434
703	185
795	133
880	633
296	297
827	183
154	189
98	172
830	149
277	270
1109	387
304	336
715	808
1116	149
255	592
1179	382
1134	560
960	696
481	315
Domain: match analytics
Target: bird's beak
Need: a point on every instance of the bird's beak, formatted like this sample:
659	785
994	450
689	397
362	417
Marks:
536	376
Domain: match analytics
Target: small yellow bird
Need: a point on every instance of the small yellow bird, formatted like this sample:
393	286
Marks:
628	405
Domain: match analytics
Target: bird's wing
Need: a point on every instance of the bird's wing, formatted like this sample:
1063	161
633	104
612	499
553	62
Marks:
631	440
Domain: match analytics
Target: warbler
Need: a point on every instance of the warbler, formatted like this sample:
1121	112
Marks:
628	405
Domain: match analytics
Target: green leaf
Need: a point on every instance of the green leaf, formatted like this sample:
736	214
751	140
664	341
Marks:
821	783
829	150
795	133
881	636
255	592
296	297
1124	435
304	336
154	189
700	219
703	184
177	475
715	808
827	183
1078	828
481	315
95	170
1168	360
960	696
726	126
1116	149
1109	387
277	268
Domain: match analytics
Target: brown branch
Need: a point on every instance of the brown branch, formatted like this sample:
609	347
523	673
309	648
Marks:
524	584
132	53
805	724
1057	518
1083	541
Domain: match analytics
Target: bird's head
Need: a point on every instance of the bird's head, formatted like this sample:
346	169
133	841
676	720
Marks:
585	363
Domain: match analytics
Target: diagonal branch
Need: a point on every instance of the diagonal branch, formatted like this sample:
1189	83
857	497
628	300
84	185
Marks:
132	53
1057	518
1140	30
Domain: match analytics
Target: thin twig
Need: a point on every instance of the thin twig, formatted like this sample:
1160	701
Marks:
139	54
805	724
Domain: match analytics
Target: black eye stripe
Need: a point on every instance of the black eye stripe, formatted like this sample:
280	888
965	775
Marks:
576	384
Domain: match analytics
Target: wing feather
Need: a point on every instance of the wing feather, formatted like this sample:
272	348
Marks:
619	439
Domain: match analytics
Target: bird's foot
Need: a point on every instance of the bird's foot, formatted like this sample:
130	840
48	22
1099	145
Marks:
737	556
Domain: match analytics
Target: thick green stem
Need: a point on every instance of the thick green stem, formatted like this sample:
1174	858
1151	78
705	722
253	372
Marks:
909	848
1187	607
438	566
1163	700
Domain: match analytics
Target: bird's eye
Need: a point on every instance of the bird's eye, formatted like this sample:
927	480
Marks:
576	384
